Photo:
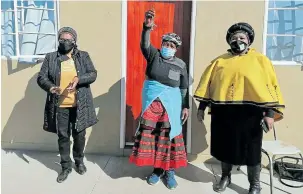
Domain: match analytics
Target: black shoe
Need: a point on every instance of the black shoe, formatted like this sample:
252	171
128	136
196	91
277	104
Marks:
221	186
81	168
225	179
63	175
253	173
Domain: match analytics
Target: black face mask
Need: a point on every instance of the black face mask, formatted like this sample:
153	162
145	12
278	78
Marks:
65	46
238	46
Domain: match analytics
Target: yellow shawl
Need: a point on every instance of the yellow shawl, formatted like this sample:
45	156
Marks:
245	79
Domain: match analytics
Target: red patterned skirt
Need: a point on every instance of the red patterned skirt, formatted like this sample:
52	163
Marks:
152	144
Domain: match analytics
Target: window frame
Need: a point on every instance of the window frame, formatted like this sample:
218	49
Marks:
265	35
19	31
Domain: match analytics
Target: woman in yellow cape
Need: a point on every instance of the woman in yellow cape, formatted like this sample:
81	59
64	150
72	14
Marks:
241	88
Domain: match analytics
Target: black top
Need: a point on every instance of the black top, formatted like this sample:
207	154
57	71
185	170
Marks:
170	72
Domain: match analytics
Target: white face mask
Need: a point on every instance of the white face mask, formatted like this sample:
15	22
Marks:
238	46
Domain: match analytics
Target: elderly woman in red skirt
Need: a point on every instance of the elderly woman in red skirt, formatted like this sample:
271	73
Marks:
159	140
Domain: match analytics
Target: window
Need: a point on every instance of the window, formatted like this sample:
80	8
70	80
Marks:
28	28
284	36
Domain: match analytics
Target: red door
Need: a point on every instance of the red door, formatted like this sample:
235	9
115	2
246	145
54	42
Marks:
171	16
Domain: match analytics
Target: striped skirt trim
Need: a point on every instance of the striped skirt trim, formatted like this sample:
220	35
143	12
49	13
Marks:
153	146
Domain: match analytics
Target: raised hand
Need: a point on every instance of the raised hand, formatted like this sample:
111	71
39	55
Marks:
149	18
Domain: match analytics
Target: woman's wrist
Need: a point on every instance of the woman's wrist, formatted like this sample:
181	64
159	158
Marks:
269	113
202	105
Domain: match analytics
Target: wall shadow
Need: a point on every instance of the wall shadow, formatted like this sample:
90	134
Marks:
50	161
131	124
21	65
105	135
24	126
198	137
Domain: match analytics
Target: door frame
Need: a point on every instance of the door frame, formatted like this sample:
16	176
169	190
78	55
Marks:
124	72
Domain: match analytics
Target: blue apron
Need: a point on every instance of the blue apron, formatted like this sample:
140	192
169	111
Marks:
171	100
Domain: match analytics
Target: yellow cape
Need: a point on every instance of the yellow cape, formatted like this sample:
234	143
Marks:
245	79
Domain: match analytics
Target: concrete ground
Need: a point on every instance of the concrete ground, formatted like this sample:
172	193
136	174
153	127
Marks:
36	173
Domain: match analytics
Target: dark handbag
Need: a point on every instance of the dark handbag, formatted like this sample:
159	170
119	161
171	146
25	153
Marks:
289	171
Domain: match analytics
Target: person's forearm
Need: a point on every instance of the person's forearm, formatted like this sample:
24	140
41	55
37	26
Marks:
145	37
91	73
202	105
269	113
42	78
185	103
88	78
45	84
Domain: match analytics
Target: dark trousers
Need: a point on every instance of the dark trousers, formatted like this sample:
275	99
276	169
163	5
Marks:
67	125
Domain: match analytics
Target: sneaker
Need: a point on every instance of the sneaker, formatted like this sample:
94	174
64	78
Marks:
171	182
153	179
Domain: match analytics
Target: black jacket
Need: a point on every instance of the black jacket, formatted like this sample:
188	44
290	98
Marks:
49	76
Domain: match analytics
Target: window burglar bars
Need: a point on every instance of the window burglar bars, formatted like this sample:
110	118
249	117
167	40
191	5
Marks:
300	8
18	32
